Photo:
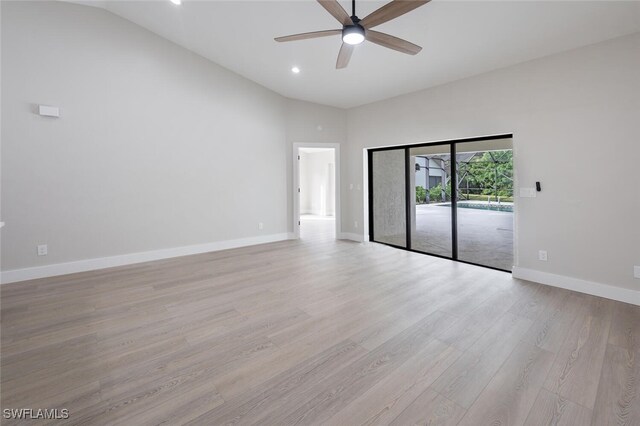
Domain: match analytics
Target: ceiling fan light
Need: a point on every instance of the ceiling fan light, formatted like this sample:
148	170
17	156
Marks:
353	34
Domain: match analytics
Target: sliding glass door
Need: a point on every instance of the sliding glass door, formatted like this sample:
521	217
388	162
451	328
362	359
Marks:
449	199
389	206
485	203
431	200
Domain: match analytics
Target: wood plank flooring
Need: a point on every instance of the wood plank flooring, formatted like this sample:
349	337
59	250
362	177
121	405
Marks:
316	331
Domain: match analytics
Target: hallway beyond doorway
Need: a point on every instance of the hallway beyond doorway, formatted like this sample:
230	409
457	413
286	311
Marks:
317	228
316	192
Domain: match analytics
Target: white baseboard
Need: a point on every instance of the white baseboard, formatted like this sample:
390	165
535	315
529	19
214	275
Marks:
16	275
576	284
351	236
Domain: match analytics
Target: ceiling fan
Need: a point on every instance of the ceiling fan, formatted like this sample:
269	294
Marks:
355	30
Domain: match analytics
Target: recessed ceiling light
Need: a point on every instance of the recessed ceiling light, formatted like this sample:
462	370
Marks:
176	2
295	70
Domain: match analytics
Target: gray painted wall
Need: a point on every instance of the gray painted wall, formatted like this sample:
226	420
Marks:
156	147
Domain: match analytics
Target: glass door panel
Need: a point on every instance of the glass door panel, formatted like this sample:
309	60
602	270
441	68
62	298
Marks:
431	230
389	214
485	203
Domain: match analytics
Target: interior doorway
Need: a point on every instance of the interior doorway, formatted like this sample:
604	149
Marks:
316	191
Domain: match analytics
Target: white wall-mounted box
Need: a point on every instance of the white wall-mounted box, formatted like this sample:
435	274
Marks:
48	111
527	193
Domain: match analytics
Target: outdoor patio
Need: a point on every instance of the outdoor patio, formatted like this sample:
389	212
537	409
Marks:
484	236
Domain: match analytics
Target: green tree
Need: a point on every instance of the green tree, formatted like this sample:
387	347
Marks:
435	193
488	174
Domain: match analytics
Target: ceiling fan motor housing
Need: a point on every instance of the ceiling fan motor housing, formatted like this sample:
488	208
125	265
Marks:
353	34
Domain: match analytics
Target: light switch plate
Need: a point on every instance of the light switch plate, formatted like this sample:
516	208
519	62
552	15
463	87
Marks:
48	111
636	271
527	193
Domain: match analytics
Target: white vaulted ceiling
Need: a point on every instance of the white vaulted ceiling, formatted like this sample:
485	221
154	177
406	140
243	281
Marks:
459	39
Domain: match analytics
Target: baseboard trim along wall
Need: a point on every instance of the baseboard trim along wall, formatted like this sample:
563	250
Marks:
351	236
569	283
581	286
53	270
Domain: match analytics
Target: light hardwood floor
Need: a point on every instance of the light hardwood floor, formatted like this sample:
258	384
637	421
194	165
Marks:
317	332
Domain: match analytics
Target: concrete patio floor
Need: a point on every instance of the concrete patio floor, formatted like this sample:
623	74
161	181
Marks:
485	237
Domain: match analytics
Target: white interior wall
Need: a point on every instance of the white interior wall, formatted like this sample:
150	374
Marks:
150	149
317	183
567	112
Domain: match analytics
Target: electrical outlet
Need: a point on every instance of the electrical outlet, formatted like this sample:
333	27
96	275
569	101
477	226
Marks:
42	250
355	224
542	255
636	271
260	225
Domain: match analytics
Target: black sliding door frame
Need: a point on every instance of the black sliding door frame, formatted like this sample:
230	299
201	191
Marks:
407	192
454	203
454	193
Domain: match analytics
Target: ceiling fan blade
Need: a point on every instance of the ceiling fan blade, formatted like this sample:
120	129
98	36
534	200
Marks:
392	42
344	56
334	8
391	11
304	36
